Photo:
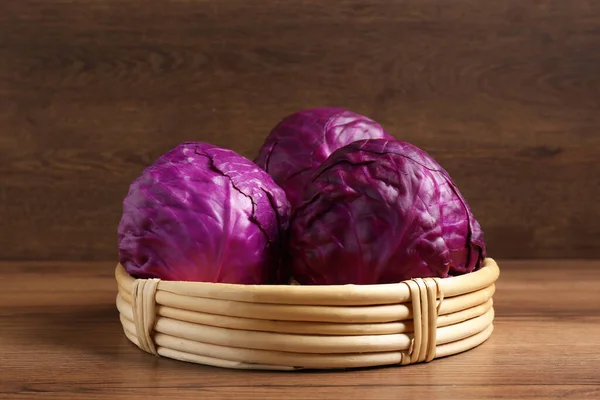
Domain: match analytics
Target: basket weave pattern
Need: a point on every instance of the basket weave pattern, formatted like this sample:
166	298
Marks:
316	327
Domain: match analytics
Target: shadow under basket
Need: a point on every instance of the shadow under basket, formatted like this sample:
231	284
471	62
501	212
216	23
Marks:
308	327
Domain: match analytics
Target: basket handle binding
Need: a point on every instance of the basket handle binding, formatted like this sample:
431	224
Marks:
425	307
144	312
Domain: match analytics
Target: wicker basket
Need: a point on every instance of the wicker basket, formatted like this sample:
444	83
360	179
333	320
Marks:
308	327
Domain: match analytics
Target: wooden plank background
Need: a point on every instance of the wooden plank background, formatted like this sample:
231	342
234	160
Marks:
505	94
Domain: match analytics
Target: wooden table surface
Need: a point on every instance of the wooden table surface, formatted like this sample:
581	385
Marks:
60	338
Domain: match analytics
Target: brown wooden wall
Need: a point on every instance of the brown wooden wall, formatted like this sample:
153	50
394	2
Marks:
505	94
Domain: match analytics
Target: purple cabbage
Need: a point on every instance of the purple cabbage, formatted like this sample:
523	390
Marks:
303	140
203	213
381	211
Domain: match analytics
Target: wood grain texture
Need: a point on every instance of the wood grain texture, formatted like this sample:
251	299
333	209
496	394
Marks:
60	338
506	95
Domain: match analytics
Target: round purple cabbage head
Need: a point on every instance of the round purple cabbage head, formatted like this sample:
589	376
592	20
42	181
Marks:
381	211
203	213
302	141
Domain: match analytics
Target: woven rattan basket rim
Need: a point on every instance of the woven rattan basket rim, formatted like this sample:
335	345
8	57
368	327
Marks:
346	295
288	327
308	344
305	327
241	358
309	313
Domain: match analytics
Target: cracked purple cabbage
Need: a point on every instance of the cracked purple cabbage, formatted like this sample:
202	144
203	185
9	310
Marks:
203	213
381	211
302	141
